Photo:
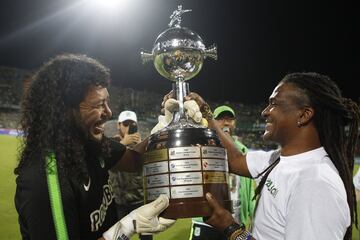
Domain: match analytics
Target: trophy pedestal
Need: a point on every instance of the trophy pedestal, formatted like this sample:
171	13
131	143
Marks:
185	164
196	207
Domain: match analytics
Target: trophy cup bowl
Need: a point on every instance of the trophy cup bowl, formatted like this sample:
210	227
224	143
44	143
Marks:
185	160
178	54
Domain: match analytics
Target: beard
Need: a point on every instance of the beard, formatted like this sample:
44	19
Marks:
80	129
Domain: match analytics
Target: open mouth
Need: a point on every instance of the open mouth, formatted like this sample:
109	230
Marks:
267	125
99	127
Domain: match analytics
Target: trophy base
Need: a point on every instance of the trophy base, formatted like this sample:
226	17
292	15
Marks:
185	164
189	209
198	206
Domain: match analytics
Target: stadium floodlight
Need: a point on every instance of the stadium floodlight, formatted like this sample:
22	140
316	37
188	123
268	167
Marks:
107	4
105	9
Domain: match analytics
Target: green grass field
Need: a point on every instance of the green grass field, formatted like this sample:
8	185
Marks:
8	222
9	228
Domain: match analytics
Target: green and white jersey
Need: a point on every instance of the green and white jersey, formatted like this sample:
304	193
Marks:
303	197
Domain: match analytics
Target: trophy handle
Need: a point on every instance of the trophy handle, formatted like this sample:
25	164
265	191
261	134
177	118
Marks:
146	57
211	52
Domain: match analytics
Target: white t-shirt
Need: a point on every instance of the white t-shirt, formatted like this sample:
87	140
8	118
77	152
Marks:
356	180
303	198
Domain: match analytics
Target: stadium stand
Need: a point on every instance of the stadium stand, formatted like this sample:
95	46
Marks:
13	81
11	90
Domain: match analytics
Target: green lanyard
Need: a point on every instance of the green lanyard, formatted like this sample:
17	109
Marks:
55	197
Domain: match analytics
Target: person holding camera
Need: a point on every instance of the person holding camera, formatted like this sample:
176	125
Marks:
128	133
127	186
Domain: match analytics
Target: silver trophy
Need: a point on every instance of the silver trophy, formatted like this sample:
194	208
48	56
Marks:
178	55
185	159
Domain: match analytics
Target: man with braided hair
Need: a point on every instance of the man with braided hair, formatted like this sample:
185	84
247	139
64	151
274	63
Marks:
305	188
63	189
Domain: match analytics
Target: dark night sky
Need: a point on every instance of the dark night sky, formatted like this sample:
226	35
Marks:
258	41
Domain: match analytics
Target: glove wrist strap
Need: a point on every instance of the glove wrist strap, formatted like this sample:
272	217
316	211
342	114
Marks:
118	232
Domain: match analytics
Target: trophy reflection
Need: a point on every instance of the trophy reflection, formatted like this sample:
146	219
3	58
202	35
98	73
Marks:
185	159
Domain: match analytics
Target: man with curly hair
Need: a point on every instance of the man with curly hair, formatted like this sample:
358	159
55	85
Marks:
62	188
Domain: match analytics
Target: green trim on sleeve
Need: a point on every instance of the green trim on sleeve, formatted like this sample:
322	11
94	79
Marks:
241	147
55	198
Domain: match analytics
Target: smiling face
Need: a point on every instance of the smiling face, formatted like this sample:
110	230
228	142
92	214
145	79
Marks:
282	114
94	112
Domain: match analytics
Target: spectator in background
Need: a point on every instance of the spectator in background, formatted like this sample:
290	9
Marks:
127	186
241	188
125	120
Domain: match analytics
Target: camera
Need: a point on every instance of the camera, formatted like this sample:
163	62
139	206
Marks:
132	128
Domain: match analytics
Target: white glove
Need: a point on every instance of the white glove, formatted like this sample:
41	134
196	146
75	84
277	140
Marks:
171	105
141	220
192	110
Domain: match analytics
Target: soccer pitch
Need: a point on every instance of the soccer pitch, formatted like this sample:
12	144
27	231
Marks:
9	228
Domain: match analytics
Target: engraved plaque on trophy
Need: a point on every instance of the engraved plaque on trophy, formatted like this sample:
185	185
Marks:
184	160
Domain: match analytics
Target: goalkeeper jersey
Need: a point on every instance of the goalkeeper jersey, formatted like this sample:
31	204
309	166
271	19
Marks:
88	208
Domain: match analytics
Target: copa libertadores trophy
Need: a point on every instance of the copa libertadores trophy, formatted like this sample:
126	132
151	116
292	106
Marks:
184	160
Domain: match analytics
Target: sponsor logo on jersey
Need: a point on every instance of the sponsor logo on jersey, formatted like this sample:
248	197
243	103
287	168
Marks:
97	217
271	187
87	187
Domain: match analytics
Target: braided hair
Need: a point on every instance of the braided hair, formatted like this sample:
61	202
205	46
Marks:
337	122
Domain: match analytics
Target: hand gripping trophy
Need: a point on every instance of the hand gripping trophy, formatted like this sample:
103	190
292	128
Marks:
185	159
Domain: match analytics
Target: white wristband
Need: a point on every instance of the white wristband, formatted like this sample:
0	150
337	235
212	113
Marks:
117	232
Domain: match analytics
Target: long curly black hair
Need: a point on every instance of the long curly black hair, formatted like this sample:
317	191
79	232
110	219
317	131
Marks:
48	119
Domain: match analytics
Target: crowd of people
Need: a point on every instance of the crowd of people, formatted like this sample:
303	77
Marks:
11	81
9	119
72	177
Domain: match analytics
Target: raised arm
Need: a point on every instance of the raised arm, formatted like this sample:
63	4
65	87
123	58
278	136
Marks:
131	161
236	159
